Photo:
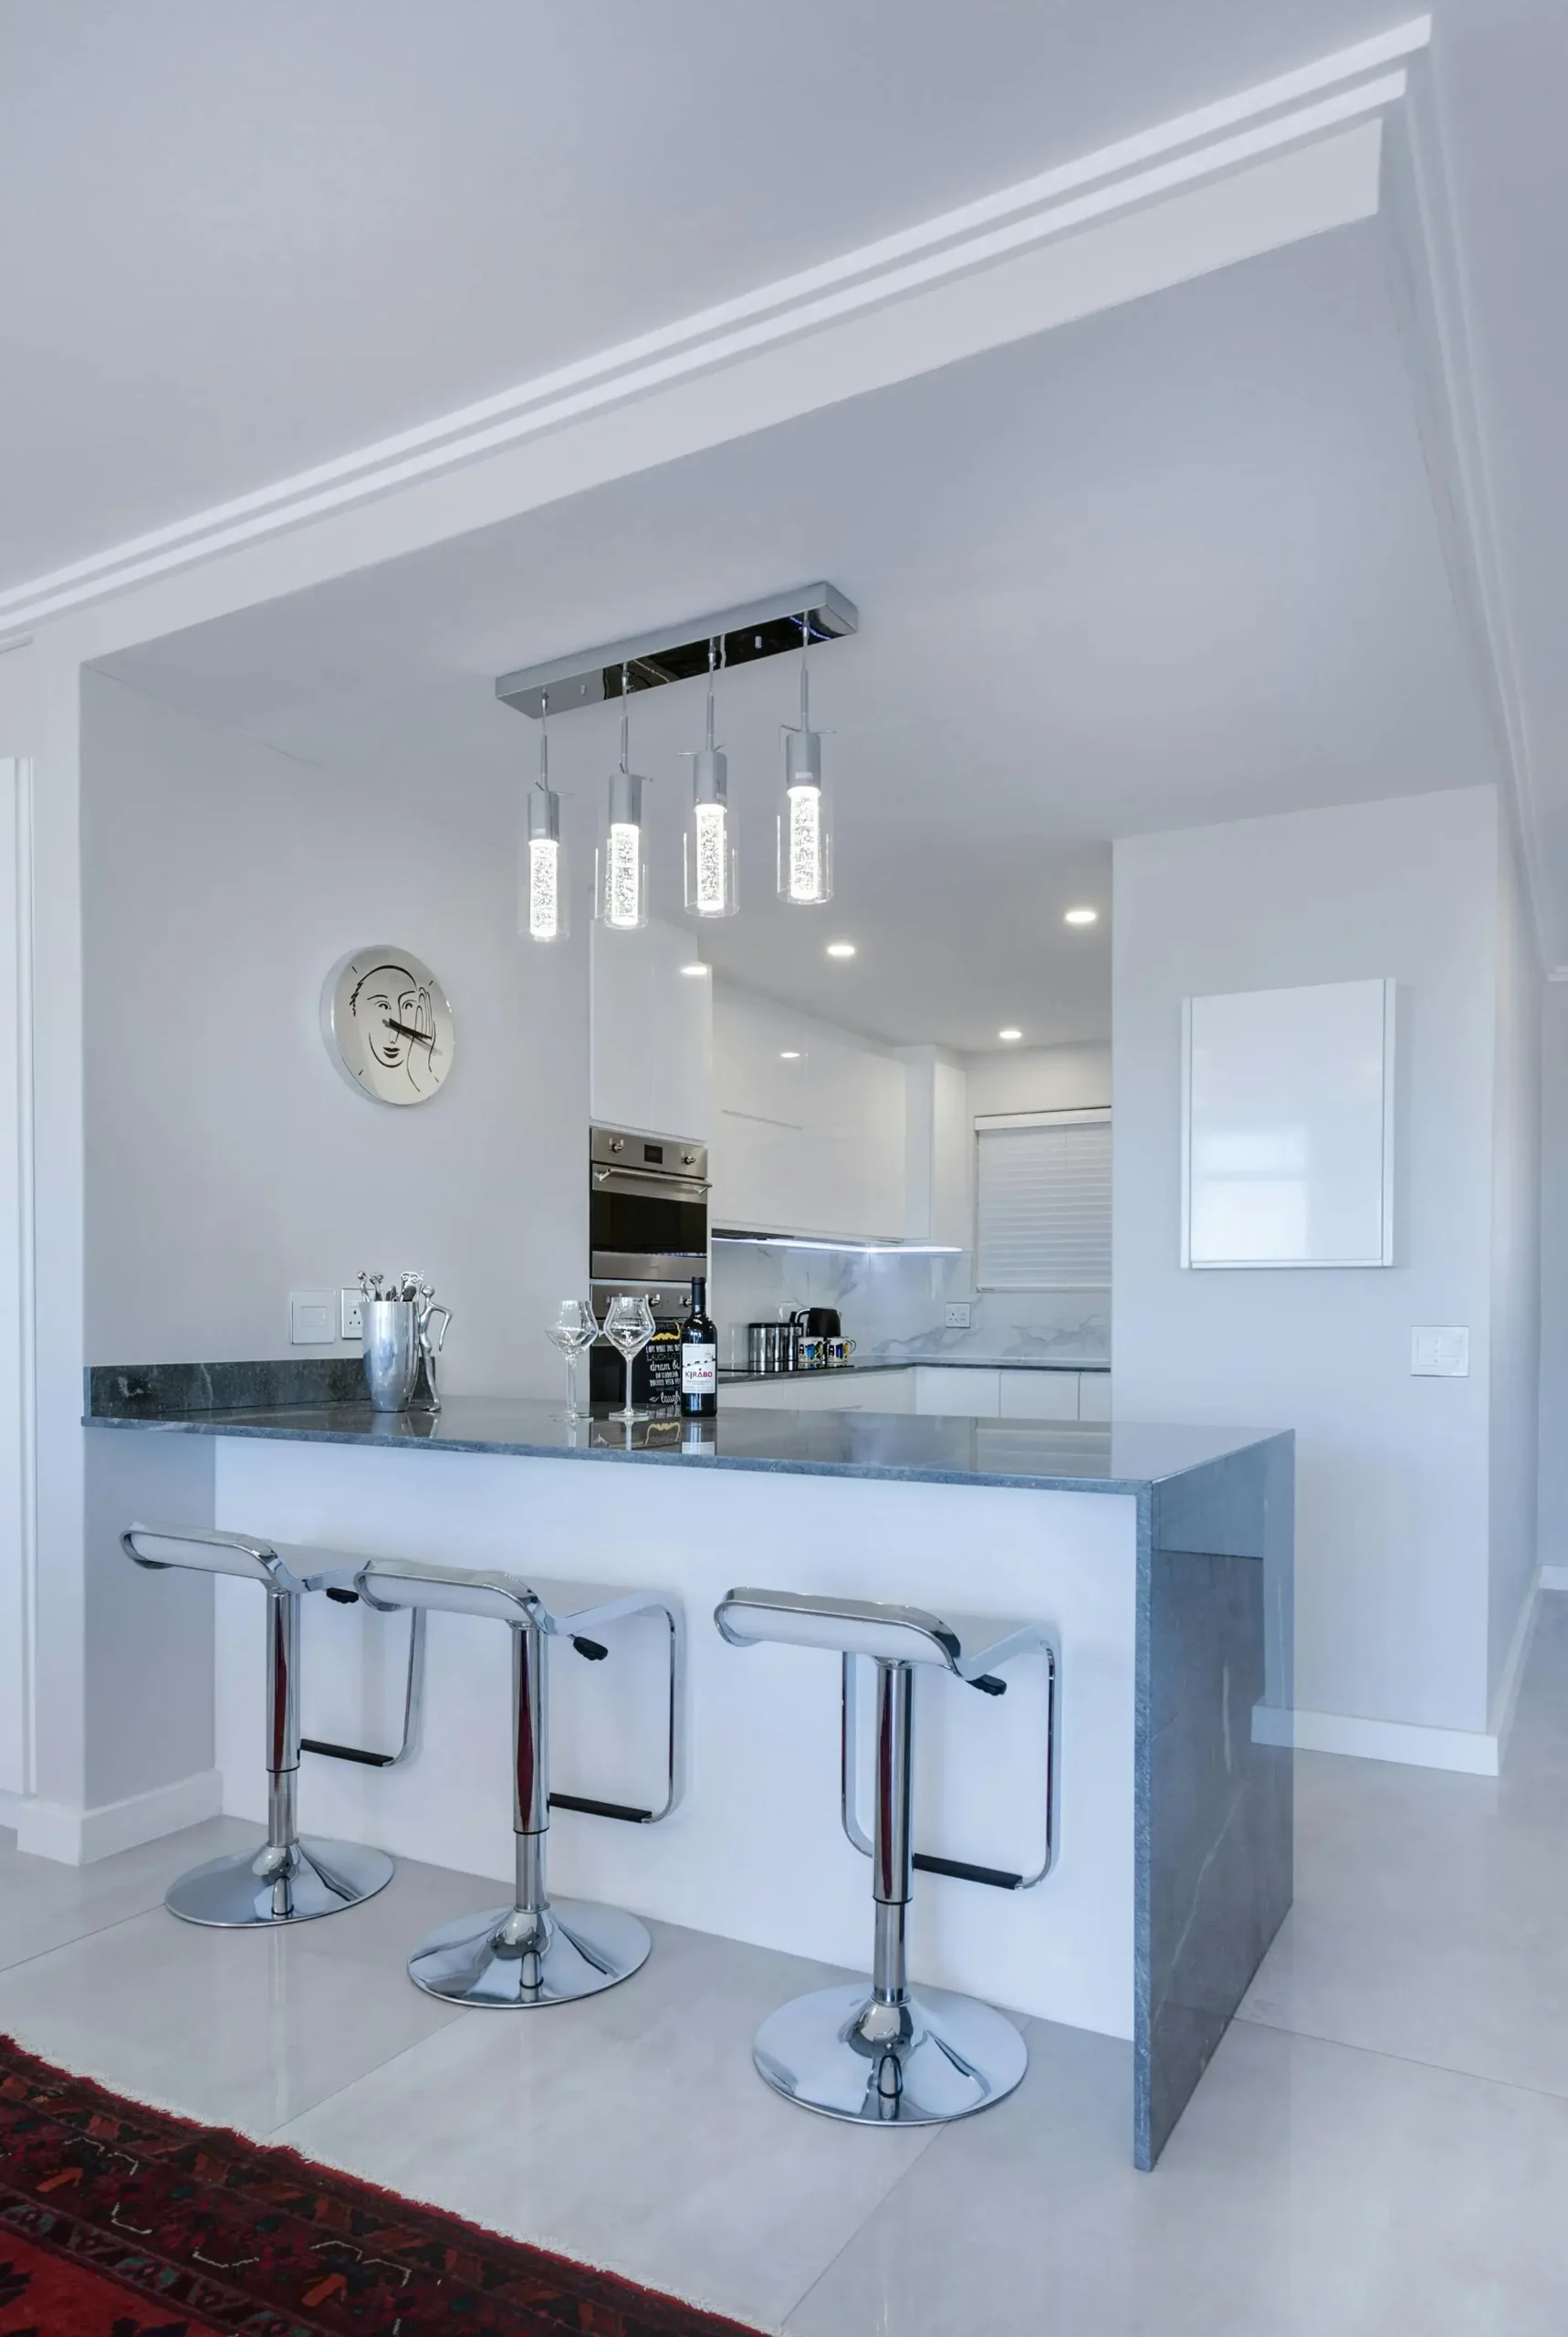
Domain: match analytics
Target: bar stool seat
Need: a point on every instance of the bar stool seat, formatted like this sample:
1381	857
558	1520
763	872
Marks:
895	2057
291	1880
536	1951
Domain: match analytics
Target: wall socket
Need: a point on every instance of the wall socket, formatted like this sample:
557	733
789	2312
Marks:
350	1317
956	1314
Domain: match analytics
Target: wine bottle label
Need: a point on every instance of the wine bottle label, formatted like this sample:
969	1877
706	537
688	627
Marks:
699	1370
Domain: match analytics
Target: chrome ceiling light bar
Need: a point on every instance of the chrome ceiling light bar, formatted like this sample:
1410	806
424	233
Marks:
708	846
805	825
766	628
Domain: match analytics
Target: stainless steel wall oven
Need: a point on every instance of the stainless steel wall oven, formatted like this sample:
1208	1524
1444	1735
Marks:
647	1233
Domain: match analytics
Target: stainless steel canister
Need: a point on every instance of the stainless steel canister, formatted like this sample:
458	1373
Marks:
400	1344
393	1351
756	1347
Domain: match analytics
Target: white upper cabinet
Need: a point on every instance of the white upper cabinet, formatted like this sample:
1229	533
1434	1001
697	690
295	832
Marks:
651	1033
809	1124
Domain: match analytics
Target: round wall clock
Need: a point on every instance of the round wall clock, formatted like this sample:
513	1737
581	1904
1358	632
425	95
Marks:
387	1024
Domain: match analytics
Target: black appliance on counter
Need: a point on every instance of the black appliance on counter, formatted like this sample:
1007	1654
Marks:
647	1235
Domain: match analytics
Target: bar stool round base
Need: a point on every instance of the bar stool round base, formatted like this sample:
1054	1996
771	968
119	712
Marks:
258	1888
496	1959
933	2057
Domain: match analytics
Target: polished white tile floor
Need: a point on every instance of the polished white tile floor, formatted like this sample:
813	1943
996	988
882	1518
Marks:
1380	2147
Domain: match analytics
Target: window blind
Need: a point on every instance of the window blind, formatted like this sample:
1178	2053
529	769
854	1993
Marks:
1042	1202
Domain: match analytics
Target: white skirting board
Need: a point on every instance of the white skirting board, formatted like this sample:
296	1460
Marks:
1554	1577
1378	1740
1473	1752
50	1830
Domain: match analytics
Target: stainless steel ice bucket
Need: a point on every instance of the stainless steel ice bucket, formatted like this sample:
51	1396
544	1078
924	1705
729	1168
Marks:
398	1349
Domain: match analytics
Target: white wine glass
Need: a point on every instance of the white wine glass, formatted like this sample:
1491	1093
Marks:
573	1331
628	1326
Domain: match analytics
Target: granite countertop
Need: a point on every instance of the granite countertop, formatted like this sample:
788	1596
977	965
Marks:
1071	1457
913	1363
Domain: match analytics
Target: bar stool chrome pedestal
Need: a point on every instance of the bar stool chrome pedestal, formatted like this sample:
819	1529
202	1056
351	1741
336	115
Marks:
291	1880
536	1951
896	2056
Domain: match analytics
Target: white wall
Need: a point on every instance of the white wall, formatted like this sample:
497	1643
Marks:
228	1161
1554	1510
1395	1503
1515	1361
1038	1079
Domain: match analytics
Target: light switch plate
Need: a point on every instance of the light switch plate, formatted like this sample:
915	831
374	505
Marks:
1441	1351
350	1320
958	1314
311	1317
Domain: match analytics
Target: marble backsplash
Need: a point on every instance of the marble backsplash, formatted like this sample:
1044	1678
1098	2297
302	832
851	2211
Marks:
893	1303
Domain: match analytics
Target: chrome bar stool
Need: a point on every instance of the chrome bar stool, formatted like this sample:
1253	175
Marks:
291	1880
895	2057
536	1951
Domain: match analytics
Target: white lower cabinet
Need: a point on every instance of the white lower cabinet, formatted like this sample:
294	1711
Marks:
957	1391
821	1391
1039	1396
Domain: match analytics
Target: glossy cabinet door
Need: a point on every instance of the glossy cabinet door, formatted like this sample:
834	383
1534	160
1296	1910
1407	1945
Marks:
821	1391
1039	1395
650	1033
809	1124
957	1391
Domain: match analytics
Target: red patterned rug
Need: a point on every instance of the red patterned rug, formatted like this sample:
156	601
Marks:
120	2221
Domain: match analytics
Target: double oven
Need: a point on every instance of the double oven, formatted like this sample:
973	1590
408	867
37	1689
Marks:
647	1234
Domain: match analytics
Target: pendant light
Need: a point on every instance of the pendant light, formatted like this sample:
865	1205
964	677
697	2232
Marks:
805	831
708	846
542	904
621	887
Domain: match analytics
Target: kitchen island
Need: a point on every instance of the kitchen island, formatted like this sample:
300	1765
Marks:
1161	1556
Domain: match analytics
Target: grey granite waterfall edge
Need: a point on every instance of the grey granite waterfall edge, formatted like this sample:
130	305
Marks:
1214	1810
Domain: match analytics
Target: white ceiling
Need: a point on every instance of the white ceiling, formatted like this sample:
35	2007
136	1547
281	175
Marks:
236	240
1174	564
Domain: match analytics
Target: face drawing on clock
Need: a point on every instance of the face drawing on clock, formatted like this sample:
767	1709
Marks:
381	999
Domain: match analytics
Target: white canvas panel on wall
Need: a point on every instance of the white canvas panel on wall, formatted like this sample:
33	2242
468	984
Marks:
1288	1126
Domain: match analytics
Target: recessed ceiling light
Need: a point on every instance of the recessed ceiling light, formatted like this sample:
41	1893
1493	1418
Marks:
841	949
699	970
1081	916
1010	1034
788	1055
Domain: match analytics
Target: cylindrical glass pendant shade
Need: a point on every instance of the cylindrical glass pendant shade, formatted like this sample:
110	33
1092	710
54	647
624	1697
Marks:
543	897
710	856
805	827
621	890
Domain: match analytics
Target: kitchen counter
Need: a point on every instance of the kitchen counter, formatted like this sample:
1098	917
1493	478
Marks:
1076	1457
1160	1558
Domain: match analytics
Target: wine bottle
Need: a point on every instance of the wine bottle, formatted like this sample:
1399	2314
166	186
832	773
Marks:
699	1357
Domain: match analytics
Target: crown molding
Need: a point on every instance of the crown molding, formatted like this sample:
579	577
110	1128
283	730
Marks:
1426	278
1214	141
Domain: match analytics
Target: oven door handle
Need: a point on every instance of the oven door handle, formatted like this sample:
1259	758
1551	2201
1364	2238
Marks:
650	1184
